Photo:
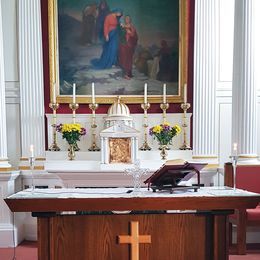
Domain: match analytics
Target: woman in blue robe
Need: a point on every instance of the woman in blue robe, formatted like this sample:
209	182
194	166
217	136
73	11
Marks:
109	56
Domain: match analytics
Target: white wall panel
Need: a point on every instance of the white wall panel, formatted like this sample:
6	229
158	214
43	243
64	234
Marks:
13	133
9	8
224	131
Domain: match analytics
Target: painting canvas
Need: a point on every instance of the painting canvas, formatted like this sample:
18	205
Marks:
118	45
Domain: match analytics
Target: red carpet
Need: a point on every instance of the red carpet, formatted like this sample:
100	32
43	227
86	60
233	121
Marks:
28	251
251	255
25	251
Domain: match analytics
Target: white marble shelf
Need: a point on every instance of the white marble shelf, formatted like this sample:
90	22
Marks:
142	155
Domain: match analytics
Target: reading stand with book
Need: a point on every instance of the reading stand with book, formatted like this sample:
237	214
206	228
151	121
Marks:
172	173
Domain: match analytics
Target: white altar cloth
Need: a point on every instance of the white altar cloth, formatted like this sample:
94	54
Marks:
122	193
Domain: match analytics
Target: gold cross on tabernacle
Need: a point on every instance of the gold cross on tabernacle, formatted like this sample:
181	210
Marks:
134	239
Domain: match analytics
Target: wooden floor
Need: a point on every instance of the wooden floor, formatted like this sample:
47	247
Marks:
28	251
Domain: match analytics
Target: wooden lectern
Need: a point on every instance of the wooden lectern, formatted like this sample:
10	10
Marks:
170	174
147	233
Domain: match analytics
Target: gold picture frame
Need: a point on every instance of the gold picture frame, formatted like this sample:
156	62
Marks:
54	62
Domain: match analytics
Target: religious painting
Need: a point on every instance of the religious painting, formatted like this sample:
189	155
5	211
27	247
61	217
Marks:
120	46
120	150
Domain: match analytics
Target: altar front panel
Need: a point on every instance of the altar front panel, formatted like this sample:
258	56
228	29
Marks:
173	236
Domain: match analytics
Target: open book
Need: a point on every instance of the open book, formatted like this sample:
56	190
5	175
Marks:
170	174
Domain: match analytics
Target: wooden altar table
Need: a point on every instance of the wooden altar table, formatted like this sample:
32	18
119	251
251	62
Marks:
179	226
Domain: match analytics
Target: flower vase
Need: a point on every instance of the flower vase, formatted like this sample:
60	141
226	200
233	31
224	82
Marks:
163	152
71	153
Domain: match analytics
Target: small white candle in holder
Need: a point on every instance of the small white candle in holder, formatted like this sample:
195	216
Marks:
235	148
31	151
54	93
185	94
164	93
74	93
145	93
93	93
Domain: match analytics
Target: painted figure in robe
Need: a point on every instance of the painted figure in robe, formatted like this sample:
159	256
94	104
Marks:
128	42
109	56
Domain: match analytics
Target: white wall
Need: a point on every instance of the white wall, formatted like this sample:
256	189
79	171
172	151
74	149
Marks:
11	61
224	77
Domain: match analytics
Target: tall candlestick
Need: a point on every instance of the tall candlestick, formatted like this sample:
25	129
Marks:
74	93
93	93
235	148
164	93
145	93
54	146
32	150
54	93
185	94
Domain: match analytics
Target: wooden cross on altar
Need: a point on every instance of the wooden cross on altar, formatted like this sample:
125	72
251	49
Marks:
134	239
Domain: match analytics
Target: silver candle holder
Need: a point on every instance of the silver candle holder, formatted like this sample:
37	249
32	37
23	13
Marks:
145	146
31	165
54	146
93	147
185	146
234	160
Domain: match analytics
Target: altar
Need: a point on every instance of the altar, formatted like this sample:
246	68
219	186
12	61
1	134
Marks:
115	224
88	171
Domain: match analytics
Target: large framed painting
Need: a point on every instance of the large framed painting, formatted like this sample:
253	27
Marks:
120	46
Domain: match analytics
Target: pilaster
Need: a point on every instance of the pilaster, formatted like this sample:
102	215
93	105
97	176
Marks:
31	77
244	103
204	107
3	137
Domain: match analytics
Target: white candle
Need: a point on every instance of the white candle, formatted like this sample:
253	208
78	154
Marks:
54	93
235	148
145	93
74	93
185	94
93	93
164	93
31	151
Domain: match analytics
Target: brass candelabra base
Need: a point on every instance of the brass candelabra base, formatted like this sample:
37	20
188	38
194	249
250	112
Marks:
94	148
185	147
145	147
54	147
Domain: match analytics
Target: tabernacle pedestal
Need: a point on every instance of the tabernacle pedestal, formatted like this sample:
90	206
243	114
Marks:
149	232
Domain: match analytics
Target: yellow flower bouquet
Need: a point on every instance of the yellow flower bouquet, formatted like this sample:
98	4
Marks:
71	132
164	133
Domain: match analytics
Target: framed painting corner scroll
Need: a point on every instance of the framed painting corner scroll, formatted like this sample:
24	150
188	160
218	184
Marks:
120	46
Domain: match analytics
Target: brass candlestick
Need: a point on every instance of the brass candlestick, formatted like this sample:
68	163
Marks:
93	147
54	146
185	107
74	107
164	107
145	146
